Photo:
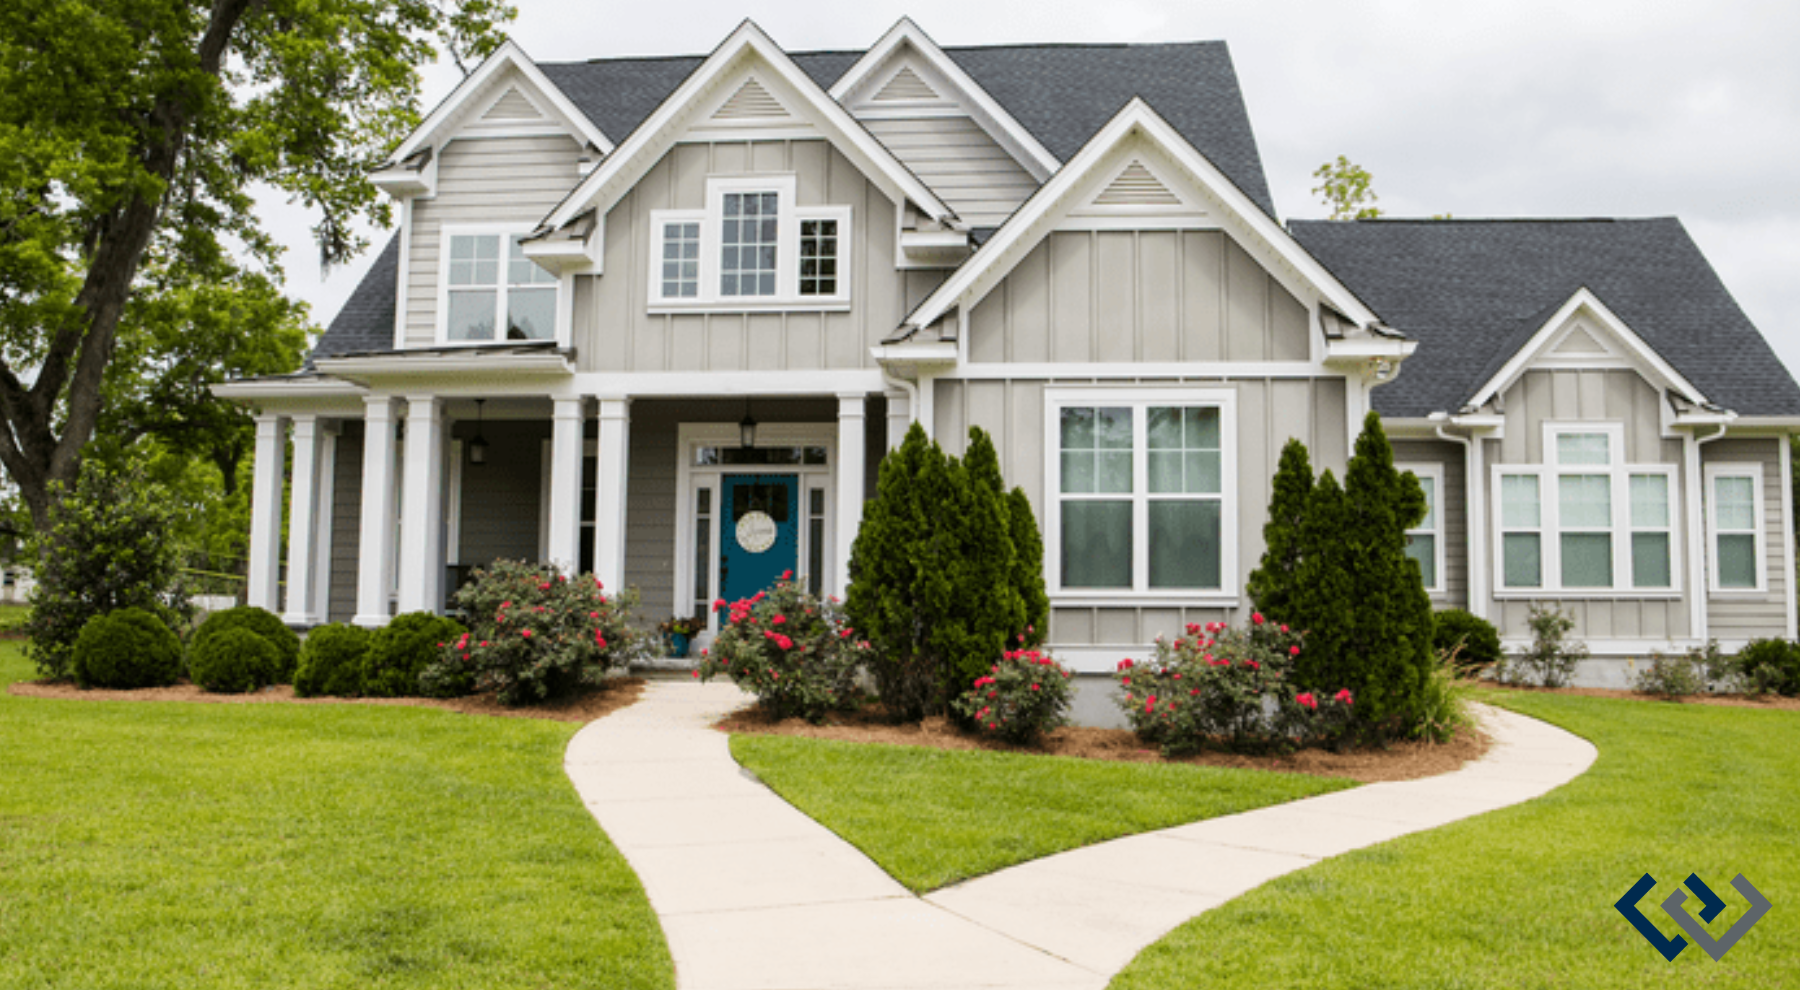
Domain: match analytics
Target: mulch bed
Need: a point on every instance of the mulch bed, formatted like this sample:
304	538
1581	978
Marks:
1399	761
1728	700
590	704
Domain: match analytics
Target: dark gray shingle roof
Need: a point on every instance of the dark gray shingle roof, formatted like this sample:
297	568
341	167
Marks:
366	323
1472	292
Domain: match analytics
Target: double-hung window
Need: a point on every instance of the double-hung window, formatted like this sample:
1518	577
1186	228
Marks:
1734	494
1425	542
751	247
1142	492
492	292
1585	521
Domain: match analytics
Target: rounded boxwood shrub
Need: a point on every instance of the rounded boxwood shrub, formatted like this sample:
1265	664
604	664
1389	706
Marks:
401	650
331	661
234	661
1770	665
263	623
1479	640
127	648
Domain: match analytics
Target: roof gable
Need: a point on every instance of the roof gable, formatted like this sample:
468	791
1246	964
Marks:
1584	333
506	92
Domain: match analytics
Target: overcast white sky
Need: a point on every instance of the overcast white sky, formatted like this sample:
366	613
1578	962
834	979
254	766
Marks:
1527	108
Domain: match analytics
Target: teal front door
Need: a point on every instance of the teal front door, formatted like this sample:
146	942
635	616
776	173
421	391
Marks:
759	533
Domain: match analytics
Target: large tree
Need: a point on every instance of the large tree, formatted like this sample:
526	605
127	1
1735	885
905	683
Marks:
133	134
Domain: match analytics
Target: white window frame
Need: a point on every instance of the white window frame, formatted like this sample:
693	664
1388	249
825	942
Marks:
1550	529
787	262
1735	469
506	233
1228	595
1436	473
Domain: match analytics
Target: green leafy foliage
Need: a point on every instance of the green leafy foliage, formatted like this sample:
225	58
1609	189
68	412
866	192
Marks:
1670	676
233	661
263	623
1551	658
129	648
1472	639
331	661
107	551
534	633
1020	698
401	650
1271	584
1769	665
797	654
1346	188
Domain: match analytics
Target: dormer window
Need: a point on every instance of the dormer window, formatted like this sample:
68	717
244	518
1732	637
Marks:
752	247
492	292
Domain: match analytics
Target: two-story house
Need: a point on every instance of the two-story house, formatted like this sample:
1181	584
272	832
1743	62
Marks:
661	318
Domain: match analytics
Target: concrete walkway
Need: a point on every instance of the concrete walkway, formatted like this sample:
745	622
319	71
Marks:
754	895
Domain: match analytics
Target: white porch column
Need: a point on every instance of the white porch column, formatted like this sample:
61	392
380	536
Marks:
374	551
851	455
609	495
422	531
265	513
303	528
565	484
322	530
899	418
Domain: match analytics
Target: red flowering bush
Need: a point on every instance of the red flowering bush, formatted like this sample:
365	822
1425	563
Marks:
1020	698
1231	687
797	654
534	633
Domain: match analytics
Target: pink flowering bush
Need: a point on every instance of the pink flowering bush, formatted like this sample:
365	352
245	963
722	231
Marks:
1228	687
534	633
797	654
1020	698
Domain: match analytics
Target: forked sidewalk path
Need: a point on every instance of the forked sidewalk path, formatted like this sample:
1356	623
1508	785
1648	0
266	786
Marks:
754	895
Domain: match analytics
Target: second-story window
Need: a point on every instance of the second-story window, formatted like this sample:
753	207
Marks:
752	247
493	292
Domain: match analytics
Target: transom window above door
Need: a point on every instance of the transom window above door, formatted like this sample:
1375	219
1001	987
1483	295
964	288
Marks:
752	247
492	292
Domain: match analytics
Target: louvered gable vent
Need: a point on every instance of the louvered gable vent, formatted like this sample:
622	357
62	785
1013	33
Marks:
512	106
751	102
906	85
1137	187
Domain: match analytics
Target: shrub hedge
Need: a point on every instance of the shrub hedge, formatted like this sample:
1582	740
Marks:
263	623
234	660
1474	638
401	650
331	661
127	648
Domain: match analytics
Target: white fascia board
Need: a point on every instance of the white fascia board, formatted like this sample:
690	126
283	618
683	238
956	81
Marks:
1370	347
1137	117
1584	299
568	255
261	389
622	170
508	55
1036	158
396	367
913	352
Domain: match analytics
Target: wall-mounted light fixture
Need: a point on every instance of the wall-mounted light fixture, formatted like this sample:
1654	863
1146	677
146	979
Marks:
478	447
747	428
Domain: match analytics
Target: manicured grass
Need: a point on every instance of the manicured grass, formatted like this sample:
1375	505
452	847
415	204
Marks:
932	817
1523	897
162	845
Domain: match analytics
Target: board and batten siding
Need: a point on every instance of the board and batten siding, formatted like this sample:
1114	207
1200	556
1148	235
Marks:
1269	412
346	522
1452	510
971	172
615	331
1601	395
502	499
506	181
1130	296
1736	616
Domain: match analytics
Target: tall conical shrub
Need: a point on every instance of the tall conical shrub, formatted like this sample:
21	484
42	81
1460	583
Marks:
1271	585
890	565
1028	565
985	611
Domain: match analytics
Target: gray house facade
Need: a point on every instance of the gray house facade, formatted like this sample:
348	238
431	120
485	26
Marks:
661	318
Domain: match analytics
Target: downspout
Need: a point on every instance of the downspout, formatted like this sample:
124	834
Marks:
1475	526
1697	624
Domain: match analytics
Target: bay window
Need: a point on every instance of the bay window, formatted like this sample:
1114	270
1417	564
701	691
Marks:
752	246
1585	521
1142	493
491	291
1735	523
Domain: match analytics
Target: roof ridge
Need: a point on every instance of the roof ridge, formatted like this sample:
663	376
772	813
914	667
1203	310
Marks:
1485	220
1009	46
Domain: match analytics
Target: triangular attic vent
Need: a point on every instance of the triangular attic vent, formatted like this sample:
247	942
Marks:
906	85
512	106
750	102
1579	343
1137	187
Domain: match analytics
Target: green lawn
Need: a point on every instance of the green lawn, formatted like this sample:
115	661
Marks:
1523	897
160	845
931	817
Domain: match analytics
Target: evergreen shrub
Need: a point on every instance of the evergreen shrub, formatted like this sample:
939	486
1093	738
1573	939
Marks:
1020	698
1769	665
1670	676
1472	639
233	661
797	654
263	623
331	661
401	650
534	634
127	648
1552	656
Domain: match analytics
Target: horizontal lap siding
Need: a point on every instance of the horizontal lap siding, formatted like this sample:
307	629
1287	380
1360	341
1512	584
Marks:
346	523
1754	616
509	181
965	167
1269	412
1453	510
1136	296
616	332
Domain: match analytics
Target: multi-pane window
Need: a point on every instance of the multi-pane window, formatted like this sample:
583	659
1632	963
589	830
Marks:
1141	501
1425	542
491	297
681	260
1586	520
748	244
1735	512
818	257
